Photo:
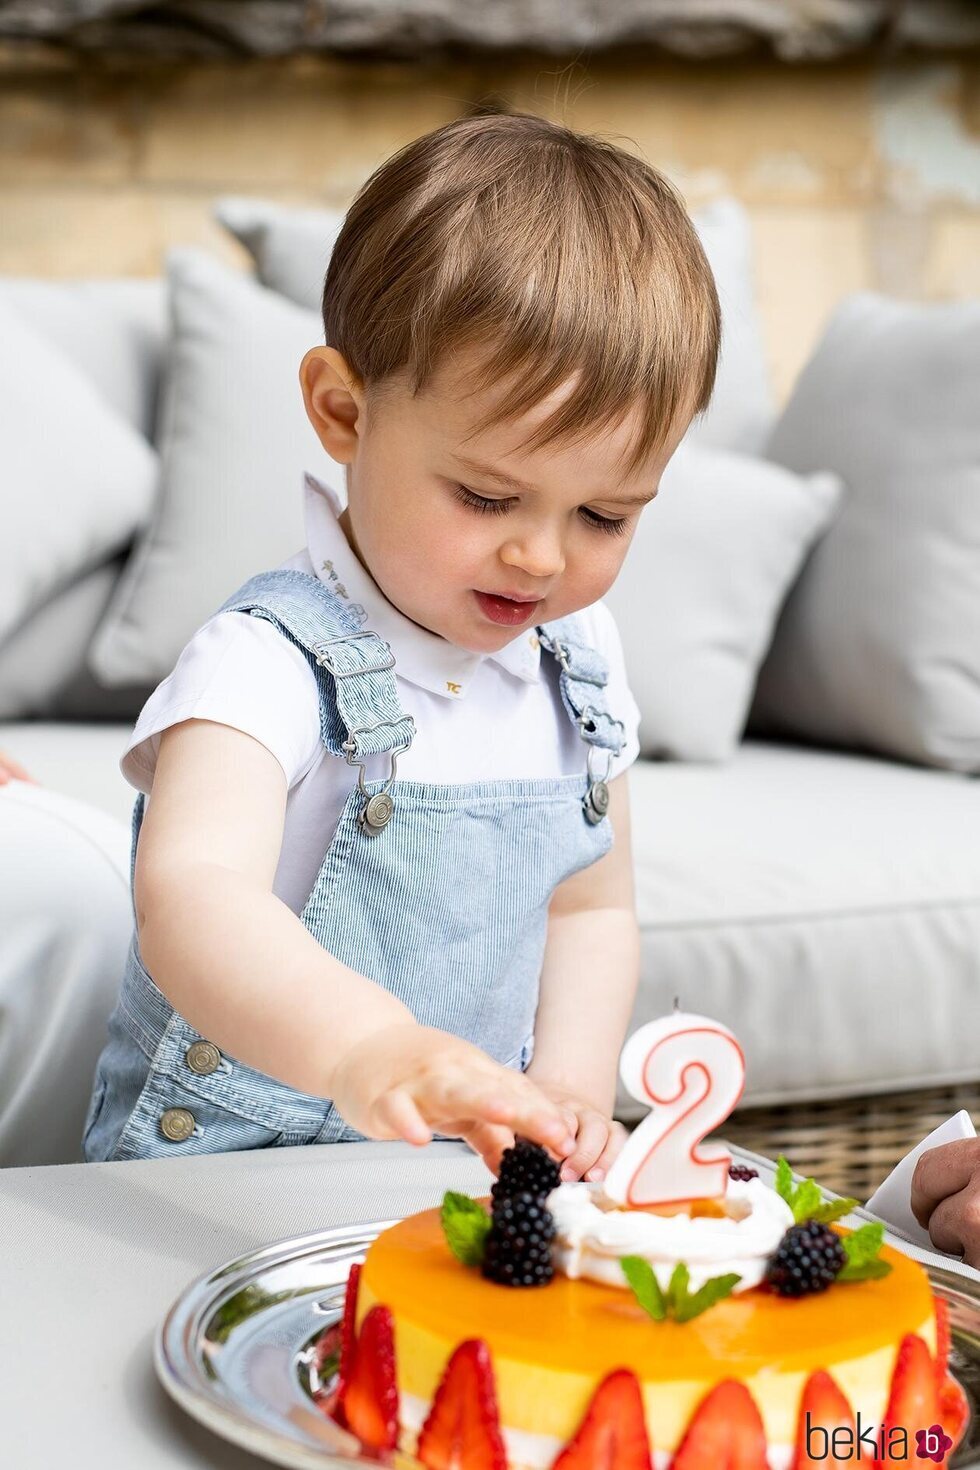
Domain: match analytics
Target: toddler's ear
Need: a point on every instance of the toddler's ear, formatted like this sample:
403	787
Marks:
334	400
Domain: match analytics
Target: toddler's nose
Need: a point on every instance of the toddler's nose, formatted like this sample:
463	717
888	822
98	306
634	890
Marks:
538	556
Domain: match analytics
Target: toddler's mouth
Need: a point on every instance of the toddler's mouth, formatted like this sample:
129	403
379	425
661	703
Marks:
506	610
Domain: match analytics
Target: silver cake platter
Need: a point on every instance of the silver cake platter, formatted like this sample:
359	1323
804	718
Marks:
237	1349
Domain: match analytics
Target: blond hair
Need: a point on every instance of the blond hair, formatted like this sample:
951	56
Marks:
555	252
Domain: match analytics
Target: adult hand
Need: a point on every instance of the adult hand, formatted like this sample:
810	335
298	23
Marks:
409	1081
946	1197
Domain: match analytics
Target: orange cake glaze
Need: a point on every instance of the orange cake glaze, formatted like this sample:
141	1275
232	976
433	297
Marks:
551	1346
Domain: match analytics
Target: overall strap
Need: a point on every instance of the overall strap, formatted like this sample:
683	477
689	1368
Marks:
584	676
582	681
360	713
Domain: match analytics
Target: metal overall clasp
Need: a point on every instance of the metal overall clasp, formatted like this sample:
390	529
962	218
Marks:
377	810
596	798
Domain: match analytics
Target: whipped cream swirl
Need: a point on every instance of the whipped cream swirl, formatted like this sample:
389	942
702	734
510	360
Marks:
593	1232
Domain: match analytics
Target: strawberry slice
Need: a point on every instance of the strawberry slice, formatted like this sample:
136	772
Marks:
913	1403
823	1408
463	1428
726	1432
943	1340
370	1398
954	1410
613	1434
348	1345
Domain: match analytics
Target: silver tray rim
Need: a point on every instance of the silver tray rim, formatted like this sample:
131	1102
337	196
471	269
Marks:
182	1377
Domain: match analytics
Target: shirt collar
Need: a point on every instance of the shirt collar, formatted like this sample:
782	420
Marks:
422	657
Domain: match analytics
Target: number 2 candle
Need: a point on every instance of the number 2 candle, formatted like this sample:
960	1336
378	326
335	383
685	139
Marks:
690	1072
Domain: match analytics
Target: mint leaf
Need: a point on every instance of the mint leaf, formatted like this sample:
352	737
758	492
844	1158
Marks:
861	1248
646	1288
679	1302
863	1245
870	1271
714	1290
785	1187
806	1199
680	1280
465	1224
833	1209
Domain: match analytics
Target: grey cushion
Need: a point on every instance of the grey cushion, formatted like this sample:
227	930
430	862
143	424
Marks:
78	479
696	600
42	657
291	248
234	442
879	643
826	907
114	330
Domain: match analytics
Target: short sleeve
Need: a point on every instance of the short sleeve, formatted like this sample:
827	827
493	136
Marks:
237	670
620	701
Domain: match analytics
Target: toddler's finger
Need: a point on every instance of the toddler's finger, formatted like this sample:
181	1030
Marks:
399	1112
593	1132
489	1141
614	1143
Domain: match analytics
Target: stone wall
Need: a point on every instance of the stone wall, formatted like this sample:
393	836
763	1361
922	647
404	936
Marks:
862	173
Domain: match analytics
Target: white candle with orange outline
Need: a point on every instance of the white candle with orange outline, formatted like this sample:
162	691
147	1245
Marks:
690	1071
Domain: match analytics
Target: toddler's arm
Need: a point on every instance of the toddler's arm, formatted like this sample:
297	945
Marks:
588	984
239	965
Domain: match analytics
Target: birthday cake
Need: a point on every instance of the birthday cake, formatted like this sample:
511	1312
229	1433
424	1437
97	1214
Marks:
572	1327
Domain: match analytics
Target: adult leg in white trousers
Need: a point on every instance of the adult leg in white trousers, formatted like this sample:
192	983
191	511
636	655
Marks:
65	924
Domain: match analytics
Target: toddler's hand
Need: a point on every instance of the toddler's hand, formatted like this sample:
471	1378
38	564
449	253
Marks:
409	1081
11	770
946	1197
598	1139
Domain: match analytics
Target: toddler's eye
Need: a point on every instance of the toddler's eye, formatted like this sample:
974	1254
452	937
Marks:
482	503
479	502
604	523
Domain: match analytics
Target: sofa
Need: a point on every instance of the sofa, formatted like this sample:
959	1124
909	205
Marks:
799	609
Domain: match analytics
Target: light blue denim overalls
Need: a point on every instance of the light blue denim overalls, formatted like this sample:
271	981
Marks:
439	893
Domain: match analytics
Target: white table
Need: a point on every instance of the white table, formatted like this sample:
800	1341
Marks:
92	1256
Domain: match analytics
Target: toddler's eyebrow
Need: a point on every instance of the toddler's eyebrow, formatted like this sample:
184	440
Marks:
510	482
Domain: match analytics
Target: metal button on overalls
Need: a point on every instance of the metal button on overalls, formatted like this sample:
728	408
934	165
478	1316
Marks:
177	1124
203	1058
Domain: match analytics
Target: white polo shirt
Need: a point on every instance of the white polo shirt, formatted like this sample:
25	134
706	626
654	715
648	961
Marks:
477	716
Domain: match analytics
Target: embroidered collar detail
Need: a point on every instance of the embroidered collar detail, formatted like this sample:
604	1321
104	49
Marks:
421	657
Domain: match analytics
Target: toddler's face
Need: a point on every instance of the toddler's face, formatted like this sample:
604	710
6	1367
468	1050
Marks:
449	528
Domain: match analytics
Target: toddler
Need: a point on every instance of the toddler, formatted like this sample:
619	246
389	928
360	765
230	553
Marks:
381	856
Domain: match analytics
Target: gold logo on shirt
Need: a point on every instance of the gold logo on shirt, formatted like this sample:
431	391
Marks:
453	688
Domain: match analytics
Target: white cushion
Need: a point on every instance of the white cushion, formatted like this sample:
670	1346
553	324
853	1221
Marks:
113	329
292	247
826	907
879	644
78	479
234	442
697	597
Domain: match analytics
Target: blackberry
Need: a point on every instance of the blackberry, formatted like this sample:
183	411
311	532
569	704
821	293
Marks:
517	1250
528	1167
742	1172
808	1258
